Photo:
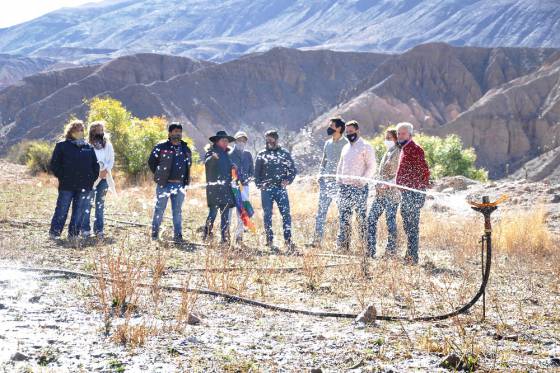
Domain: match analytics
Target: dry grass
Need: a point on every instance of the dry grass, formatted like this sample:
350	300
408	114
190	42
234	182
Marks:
449	274
524	232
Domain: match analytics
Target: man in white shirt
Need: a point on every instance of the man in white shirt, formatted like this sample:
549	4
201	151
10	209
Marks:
357	164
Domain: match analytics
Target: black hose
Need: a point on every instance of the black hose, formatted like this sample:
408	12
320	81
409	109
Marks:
251	302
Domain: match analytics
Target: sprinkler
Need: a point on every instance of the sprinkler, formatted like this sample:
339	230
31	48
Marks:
486	208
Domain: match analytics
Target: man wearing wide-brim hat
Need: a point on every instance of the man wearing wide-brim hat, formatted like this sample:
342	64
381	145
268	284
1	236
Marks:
243	159
219	194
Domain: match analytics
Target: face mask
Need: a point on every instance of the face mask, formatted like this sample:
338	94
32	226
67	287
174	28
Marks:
240	146
271	145
352	137
176	137
98	137
402	142
389	144
330	131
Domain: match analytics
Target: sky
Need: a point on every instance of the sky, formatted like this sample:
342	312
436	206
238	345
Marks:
18	11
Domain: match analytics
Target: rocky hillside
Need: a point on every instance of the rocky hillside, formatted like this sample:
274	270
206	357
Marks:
515	122
39	106
15	68
224	30
283	88
502	101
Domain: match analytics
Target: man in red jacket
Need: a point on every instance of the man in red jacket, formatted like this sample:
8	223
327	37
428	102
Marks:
413	172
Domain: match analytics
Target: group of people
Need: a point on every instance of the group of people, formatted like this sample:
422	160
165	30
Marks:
348	167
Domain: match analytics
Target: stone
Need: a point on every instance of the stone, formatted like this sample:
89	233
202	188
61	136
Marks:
368	315
18	356
194	319
555	199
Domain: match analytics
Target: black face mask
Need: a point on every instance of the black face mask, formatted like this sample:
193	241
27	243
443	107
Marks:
98	137
352	137
176	137
330	131
402	142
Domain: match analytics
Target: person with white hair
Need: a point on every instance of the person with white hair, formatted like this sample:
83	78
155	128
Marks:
413	173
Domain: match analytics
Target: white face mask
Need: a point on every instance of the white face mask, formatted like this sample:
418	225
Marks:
389	144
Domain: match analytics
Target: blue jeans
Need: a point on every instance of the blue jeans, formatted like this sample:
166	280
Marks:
411	204
79	199
351	199
390	206
174	192
327	191
97	199
280	196
224	221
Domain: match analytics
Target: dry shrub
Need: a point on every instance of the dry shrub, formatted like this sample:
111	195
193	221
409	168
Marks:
524	232
220	277
119	274
313	267
187	304
132	335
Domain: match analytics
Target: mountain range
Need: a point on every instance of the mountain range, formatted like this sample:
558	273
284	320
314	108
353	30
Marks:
503	101
225	30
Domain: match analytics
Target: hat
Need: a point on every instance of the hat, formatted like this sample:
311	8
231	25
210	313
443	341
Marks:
221	135
240	134
174	125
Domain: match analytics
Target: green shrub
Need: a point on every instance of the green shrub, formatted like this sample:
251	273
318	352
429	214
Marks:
18	152
38	156
445	156
133	139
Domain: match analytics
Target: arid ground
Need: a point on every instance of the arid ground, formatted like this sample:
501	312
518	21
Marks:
55	322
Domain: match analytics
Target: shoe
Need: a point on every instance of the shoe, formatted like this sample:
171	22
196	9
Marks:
314	244
178	240
100	236
274	249
86	234
291	249
155	236
410	260
54	237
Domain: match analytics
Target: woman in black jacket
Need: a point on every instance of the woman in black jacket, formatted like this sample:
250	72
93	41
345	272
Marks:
219	194
75	166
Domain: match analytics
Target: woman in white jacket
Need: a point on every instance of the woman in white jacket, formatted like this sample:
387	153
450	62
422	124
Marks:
106	159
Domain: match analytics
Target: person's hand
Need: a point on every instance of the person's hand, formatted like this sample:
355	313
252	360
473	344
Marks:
103	174
215	156
285	183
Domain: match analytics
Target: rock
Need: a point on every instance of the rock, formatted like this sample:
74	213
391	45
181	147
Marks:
456	362
193	319
316	370
454	183
555	199
555	361
368	315
2	306
18	356
35	299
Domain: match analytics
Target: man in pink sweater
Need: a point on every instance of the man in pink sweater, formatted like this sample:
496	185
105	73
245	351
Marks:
357	165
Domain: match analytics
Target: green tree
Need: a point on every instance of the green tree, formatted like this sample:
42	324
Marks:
133	139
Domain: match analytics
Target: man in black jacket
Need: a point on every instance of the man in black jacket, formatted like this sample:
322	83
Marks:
274	171
219	194
75	166
170	162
